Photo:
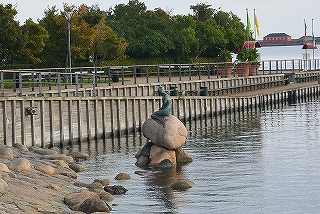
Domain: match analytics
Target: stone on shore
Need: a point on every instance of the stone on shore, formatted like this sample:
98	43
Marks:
60	163
56	157
123	176
182	185
4	167
171	135
104	182
107	197
79	155
115	190
75	199
20	165
45	168
94	185
3	186
77	167
92	205
69	173
21	147
6	152
41	151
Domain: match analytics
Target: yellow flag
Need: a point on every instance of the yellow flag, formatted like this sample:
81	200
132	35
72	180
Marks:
257	24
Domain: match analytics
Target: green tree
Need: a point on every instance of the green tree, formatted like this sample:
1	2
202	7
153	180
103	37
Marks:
202	11
233	29
211	39
127	11
149	34
185	29
55	50
11	35
35	37
108	45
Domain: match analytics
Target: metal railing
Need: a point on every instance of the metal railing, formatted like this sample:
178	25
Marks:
16	81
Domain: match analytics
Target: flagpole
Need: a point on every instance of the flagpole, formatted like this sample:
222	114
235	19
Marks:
313	41
255	28
248	25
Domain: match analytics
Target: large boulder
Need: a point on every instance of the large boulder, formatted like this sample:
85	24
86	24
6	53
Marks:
74	200
158	154
20	165
171	134
92	205
44	168
182	185
6	152
4	167
182	156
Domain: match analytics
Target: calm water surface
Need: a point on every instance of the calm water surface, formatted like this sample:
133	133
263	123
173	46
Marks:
286	52
256	162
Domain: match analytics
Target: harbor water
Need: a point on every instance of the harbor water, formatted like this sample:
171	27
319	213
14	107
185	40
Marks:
264	161
256	162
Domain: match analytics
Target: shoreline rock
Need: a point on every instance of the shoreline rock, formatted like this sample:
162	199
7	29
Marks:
39	180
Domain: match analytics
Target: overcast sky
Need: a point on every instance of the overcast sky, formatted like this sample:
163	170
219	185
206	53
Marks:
275	16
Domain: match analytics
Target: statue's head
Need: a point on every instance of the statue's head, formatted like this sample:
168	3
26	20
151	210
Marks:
161	90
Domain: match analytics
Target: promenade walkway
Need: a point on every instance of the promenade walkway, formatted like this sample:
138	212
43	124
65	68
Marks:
272	90
131	81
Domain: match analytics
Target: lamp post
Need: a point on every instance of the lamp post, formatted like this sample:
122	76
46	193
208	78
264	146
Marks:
68	16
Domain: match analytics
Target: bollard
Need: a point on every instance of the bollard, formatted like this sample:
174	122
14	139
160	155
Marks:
174	91
115	77
204	91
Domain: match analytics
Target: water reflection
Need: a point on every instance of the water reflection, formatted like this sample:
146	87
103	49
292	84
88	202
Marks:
247	162
227	157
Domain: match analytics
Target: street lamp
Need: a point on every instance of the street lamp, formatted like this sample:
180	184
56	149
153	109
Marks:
68	16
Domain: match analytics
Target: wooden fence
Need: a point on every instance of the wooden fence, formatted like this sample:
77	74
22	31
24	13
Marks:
38	121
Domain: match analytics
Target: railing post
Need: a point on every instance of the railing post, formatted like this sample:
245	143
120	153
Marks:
20	83
169	73
147	73
59	84
109	75
122	71
94	81
49	80
77	86
40	84
158	73
81	78
135	74
2	83
32	79
270	66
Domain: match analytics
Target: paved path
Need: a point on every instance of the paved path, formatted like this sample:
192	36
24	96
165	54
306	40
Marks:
154	80
274	89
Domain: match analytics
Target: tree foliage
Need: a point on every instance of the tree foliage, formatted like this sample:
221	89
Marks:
35	37
124	31
11	35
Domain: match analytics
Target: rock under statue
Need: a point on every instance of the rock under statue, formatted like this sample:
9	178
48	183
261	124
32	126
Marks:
166	135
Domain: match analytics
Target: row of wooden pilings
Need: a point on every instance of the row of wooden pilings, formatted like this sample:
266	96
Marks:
48	121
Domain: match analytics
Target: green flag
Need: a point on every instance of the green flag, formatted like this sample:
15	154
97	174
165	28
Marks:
248	25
